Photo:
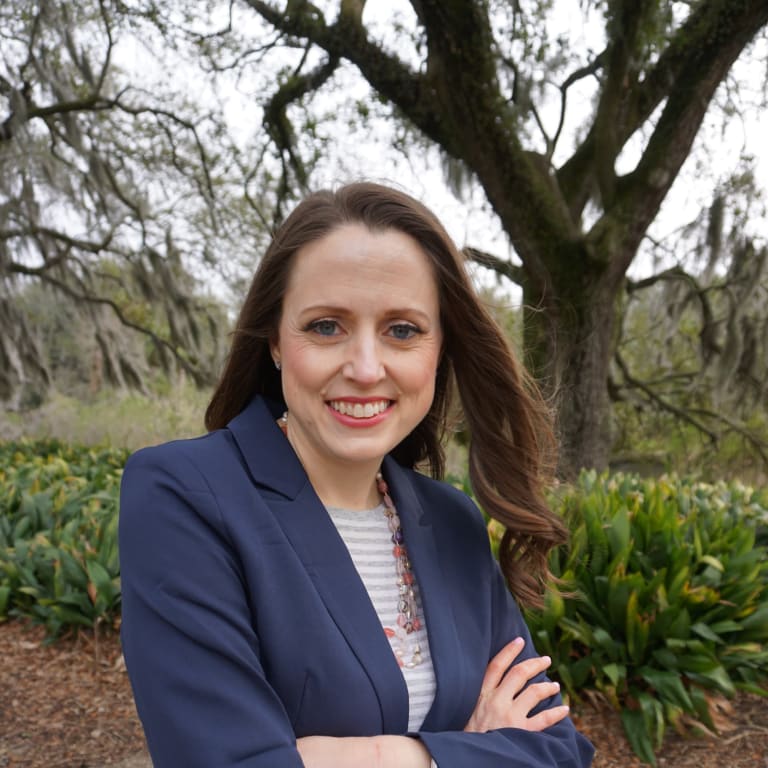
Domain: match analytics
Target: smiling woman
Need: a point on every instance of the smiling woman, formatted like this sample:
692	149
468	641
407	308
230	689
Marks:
358	343
294	591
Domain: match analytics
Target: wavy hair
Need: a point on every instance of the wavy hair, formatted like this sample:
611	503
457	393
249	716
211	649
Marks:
511	441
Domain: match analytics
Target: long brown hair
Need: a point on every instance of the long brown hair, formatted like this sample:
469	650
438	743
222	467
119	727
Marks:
511	449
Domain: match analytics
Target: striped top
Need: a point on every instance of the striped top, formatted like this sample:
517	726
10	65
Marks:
369	542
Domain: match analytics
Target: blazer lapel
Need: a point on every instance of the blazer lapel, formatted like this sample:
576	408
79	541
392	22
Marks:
445	648
302	516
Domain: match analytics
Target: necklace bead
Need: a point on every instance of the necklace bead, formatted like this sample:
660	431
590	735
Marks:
408	622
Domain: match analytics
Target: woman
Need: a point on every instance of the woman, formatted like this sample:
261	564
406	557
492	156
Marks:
294	593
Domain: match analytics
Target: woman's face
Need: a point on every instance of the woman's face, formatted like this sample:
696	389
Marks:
359	341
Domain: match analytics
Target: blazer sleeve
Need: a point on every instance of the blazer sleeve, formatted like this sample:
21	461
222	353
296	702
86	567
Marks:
190	649
560	746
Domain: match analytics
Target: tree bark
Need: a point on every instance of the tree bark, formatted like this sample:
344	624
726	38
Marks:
569	335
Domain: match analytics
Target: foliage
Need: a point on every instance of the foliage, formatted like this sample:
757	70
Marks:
58	534
85	359
671	606
670	579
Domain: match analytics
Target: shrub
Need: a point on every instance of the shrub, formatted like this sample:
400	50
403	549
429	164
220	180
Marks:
58	534
670	578
671	600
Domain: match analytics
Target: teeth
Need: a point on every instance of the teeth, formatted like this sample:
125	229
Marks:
359	410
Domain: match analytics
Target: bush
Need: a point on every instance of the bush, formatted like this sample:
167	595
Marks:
671	600
58	534
670	577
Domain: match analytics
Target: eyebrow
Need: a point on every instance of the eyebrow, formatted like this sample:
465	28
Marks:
330	309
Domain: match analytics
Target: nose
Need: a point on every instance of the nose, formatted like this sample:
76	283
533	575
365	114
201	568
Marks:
364	364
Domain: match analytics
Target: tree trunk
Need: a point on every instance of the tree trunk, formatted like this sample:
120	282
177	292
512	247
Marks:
569	341
24	377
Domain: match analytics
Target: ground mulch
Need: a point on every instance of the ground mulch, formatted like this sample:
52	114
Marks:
69	705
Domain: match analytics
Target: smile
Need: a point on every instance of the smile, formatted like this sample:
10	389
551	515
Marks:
360	410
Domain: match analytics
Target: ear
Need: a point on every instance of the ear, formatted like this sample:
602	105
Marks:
274	351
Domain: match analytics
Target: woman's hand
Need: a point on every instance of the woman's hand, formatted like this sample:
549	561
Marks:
504	700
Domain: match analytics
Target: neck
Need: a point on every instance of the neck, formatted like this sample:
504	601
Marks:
349	485
345	487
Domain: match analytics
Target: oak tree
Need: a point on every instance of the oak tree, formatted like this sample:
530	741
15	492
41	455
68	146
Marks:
474	78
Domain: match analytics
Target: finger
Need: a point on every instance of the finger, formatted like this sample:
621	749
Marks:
534	695
546	718
519	675
500	663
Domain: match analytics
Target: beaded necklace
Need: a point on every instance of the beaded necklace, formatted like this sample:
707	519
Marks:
407	654
408	620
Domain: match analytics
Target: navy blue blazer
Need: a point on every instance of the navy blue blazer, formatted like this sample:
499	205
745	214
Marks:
246	626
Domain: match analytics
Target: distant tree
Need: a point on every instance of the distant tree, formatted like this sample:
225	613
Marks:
692	357
115	191
87	352
477	79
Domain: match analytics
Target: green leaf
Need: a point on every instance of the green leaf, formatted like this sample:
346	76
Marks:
713	562
615	673
638	736
702	630
98	575
716	677
668	685
637	630
755	626
619	534
5	595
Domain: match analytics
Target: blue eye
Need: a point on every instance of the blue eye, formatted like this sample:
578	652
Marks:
403	331
324	327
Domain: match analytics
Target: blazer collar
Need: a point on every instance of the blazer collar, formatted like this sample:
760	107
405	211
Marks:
273	464
271	461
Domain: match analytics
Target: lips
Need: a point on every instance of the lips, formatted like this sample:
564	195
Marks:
358	410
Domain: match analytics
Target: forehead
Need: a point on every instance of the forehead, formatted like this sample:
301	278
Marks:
354	257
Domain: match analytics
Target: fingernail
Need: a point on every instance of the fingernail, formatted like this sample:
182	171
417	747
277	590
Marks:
518	641
547	659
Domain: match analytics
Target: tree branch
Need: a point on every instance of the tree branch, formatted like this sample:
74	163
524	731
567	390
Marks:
659	401
70	242
276	119
590	69
410	91
707	335
199	377
714	33
502	267
759	445
716	42
624	23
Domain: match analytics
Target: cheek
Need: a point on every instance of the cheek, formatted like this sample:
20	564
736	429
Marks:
302	371
422	376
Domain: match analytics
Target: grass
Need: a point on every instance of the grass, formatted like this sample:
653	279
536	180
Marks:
112	418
